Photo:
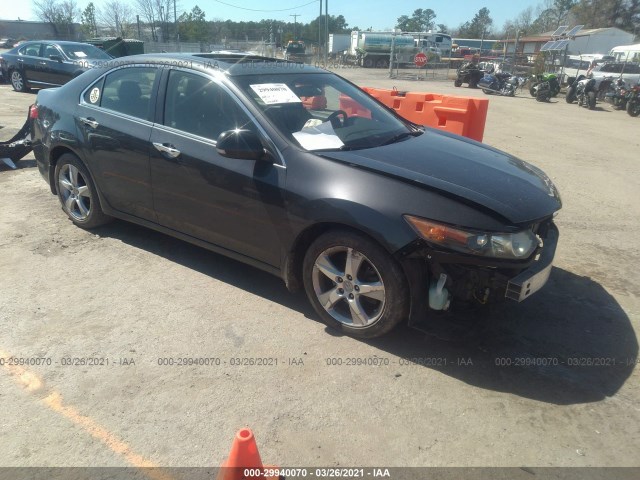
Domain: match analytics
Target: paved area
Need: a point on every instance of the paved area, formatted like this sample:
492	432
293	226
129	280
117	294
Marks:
549	382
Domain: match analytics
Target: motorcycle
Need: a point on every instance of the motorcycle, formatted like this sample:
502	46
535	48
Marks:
553	85
633	101
583	90
616	94
469	73
500	83
542	91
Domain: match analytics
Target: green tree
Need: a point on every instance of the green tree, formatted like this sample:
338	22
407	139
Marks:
624	14
88	20
60	14
478	27
421	21
193	26
552	15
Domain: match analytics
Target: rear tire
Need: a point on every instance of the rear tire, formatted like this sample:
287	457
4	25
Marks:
633	108
457	83
591	100
78	194
18	81
354	285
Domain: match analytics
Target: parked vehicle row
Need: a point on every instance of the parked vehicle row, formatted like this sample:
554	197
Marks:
43	64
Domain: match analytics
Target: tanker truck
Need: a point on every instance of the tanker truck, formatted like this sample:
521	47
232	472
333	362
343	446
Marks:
373	49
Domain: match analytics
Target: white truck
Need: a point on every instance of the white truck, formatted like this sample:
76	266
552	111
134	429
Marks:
626	53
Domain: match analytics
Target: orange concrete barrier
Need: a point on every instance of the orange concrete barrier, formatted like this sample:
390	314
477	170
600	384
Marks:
460	115
353	108
244	460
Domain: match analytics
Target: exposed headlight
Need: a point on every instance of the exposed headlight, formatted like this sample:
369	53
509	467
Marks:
498	245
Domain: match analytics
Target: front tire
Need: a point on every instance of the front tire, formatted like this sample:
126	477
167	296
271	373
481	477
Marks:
354	285
591	100
18	81
77	193
571	95
457	83
633	108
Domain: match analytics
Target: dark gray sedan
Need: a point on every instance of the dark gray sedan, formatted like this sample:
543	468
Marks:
43	64
296	171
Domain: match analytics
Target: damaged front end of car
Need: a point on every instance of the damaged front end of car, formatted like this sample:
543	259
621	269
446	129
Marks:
452	266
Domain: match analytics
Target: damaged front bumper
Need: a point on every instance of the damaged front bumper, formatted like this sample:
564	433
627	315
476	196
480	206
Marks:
440	279
534	278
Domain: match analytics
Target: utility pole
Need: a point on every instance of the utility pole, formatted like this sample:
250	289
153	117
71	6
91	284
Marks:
326	31
175	22
320	33
295	24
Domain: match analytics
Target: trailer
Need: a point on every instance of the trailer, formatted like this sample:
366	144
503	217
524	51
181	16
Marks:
338	43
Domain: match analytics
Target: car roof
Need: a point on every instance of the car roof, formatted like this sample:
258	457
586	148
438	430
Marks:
232	64
57	42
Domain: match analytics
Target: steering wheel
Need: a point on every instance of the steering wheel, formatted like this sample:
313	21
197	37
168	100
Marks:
335	122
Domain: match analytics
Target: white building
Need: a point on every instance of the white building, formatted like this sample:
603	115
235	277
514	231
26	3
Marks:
595	40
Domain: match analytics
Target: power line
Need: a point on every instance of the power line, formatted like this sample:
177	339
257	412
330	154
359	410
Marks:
260	10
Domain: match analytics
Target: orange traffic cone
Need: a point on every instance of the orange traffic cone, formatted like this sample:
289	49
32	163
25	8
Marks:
244	460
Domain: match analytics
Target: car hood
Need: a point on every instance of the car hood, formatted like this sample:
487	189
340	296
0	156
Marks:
472	171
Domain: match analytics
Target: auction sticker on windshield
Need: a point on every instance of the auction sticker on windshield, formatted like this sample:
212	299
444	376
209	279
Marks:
273	93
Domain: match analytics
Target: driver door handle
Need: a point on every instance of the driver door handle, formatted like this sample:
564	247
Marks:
167	150
90	122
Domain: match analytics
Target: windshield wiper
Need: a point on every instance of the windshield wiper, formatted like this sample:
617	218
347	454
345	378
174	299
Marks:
400	136
343	148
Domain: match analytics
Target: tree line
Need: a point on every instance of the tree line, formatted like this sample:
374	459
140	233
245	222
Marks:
545	17
156	20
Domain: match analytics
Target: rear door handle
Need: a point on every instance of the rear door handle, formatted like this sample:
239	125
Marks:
167	150
90	122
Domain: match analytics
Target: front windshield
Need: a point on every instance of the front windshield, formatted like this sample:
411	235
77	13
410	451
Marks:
80	51
322	111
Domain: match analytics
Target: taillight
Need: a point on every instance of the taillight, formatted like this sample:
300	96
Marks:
33	112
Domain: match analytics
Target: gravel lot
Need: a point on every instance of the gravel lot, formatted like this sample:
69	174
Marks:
134	297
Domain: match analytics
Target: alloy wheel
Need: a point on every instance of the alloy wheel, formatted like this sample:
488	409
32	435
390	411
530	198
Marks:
17	81
76	194
348	286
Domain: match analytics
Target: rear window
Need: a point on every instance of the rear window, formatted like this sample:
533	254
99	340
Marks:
81	51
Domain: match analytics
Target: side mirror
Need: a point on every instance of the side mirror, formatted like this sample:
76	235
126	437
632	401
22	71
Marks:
56	58
241	144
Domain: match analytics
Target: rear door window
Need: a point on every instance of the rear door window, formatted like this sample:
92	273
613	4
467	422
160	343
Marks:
31	50
128	90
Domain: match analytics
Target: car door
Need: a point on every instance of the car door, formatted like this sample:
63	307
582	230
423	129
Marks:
54	70
236	204
114	120
28	63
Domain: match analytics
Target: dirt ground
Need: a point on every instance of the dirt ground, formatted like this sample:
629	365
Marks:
549	382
